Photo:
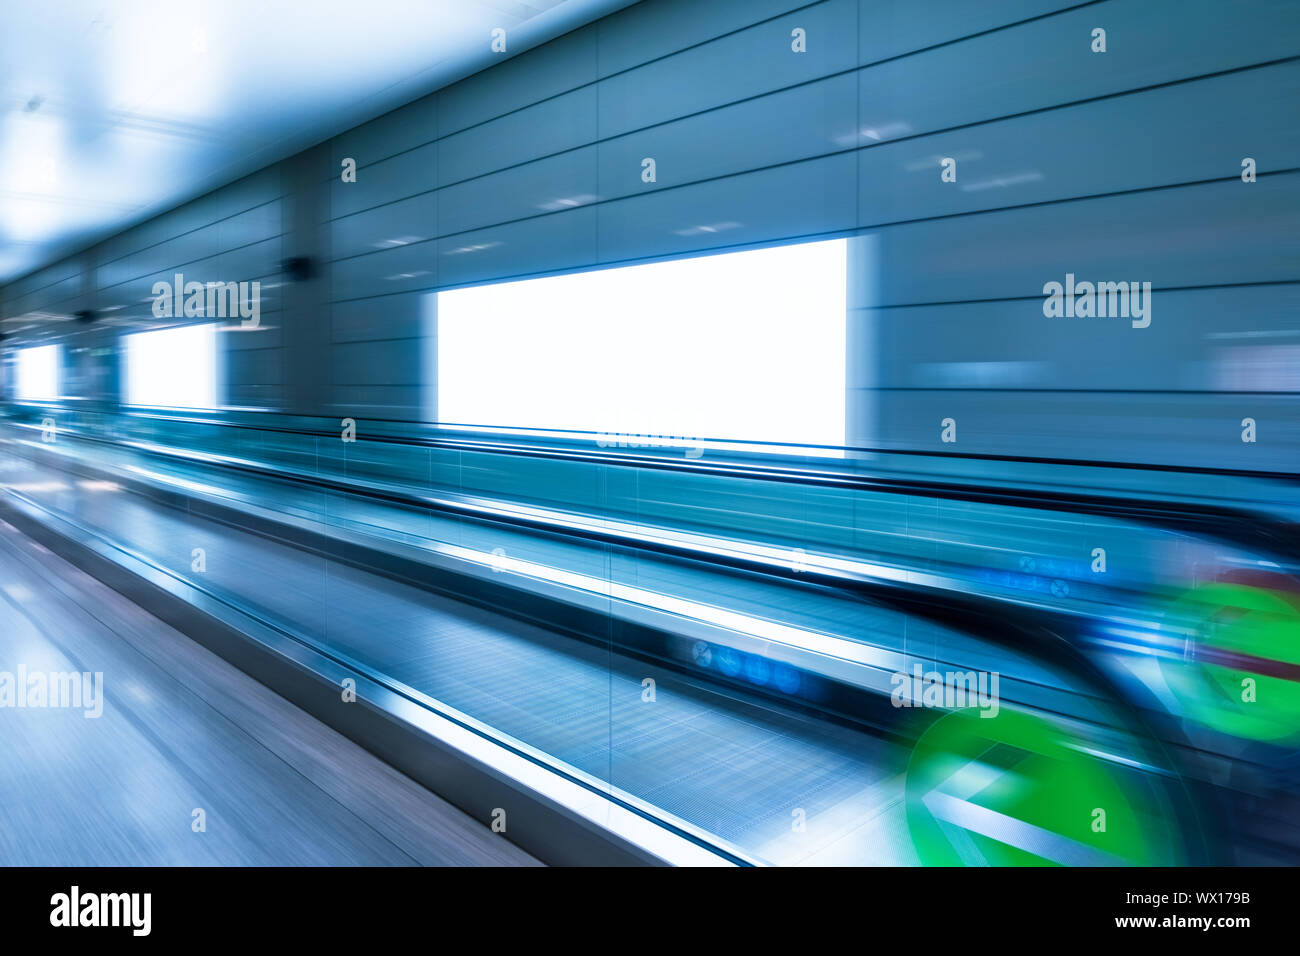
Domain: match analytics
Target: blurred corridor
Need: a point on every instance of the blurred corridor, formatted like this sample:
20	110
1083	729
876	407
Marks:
746	432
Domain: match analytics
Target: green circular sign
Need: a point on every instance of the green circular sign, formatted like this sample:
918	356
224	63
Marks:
1237	672
1019	790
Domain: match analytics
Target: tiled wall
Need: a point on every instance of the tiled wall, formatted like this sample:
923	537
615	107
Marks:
232	234
1123	165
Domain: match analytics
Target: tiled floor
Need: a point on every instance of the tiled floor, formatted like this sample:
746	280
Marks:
182	731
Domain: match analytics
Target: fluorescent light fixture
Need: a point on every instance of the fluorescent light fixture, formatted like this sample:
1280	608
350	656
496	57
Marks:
172	368
744	345
38	374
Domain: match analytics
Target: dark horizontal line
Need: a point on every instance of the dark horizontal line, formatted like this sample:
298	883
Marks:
1237	523
485	441
1038	298
804	237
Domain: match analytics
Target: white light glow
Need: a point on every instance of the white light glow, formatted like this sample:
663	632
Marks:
172	368
38	374
745	345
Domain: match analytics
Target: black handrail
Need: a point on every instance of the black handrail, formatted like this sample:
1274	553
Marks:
1231	524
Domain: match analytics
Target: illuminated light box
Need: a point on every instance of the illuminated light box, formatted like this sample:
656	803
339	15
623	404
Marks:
172	368
745	346
38	374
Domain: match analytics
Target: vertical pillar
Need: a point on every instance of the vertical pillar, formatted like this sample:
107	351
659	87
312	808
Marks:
304	277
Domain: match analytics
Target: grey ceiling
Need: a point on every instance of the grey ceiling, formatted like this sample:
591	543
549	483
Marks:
111	110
